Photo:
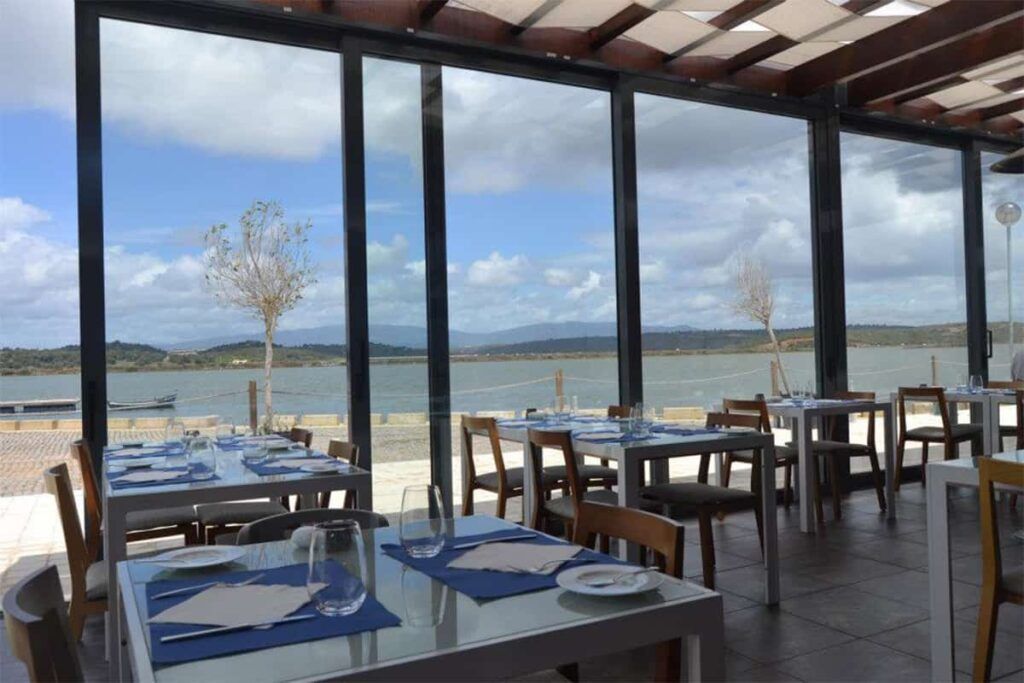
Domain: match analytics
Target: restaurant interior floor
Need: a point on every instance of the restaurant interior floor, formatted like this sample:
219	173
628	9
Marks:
854	607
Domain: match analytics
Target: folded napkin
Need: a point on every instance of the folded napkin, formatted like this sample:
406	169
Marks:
152	475
516	558
237	605
293	463
609	437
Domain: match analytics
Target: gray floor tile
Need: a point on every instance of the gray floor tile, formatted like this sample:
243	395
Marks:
763	674
842	568
1011	618
771	635
857	661
1007	657
912	587
748	582
855	612
733	603
693	567
899	551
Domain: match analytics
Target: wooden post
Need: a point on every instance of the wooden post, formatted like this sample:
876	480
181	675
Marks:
775	378
935	372
252	406
559	390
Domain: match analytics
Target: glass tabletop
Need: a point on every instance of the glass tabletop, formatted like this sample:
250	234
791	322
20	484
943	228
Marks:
434	617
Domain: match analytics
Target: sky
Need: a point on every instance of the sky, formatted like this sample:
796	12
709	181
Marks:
196	127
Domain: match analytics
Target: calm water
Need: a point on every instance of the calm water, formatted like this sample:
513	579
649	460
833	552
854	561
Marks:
504	385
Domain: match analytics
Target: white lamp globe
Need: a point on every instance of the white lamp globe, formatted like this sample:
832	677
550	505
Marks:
1008	213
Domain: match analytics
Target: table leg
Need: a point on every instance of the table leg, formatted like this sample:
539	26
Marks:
364	494
890	461
939	585
464	466
659	472
793	436
629	497
705	651
531	488
719	464
114	550
989	425
805	465
770	526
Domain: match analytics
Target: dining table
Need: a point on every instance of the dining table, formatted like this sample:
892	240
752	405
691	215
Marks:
663	442
232	480
435	631
942	476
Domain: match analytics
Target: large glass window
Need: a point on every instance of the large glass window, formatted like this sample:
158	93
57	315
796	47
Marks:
531	270
207	139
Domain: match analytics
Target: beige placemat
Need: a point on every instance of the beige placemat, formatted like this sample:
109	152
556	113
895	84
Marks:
237	606
516	557
152	475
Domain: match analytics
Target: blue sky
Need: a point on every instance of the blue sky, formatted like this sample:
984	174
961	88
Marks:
196	127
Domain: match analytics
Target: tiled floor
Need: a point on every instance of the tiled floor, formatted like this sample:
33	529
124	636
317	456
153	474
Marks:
854	602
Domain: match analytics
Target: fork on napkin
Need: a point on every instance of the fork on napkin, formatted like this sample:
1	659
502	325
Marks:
517	558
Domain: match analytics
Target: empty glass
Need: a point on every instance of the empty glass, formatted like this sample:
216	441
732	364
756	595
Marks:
337	591
574	406
174	432
641	419
976	385
224	430
254	454
422	527
202	457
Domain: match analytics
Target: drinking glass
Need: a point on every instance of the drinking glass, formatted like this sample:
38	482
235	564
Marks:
202	457
574	406
254	454
342	592
224	430
174	432
637	422
422	527
976	384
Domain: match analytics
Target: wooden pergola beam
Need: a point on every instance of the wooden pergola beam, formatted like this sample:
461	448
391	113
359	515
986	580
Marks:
429	10
1001	109
535	16
745	11
617	25
939	26
938	64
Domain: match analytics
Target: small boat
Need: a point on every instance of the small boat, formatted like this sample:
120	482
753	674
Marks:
158	402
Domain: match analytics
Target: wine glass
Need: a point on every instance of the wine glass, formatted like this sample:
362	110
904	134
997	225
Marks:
422	526
574	406
202	458
337	570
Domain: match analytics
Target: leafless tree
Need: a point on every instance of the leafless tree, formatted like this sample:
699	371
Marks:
263	271
755	299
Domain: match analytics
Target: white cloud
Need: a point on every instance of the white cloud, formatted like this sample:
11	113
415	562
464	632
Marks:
497	271
559	277
588	286
15	214
387	256
37	55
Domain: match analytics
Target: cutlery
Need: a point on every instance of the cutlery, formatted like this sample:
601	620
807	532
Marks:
228	629
539	569
603	583
473	544
189	589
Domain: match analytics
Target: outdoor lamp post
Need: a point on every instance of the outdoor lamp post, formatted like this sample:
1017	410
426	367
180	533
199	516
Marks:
1008	214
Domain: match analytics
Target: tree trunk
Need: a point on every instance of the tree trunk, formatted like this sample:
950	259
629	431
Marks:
778	357
268	365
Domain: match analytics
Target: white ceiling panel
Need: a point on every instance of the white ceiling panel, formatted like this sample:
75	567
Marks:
991	101
996	69
730	43
691	5
965	93
857	28
669	31
798	18
582	13
804	52
512	12
1019	115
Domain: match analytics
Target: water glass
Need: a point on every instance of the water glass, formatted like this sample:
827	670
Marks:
976	385
253	454
574	406
422	527
174	432
202	457
638	423
224	430
337	593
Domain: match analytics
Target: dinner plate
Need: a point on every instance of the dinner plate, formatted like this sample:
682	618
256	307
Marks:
575	580
140	462
321	467
196	557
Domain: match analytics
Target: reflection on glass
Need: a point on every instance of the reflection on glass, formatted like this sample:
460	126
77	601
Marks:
1004	266
423	525
424	599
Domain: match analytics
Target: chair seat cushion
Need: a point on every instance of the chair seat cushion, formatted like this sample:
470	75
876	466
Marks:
959	432
155	519
826	447
514	477
96	576
563	505
695	493
215	514
783	454
586	472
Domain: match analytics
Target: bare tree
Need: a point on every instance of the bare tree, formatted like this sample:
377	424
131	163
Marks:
755	299
264	272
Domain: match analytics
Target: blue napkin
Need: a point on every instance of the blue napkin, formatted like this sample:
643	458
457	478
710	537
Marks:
605	437
265	469
187	479
488	585
370	617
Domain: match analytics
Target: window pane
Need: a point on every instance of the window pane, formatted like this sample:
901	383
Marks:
1001	274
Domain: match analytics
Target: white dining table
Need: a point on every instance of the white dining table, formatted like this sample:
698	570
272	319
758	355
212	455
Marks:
631	456
444	635
804	416
235	482
941	476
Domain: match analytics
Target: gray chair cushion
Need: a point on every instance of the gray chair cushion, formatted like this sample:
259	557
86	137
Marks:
96	576
826	447
514	477
783	454
586	472
155	519
563	505
959	431
694	493
215	514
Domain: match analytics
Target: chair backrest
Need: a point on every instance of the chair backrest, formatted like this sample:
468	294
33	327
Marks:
618	411
992	472
279	527
856	396
562	440
747	420
36	622
1020	419
300	435
928	394
58	483
1005	384
755	406
662	535
343	450
486	427
93	499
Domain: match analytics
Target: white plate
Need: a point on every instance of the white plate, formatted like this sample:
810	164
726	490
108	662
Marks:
140	462
116	469
321	467
195	557
575	580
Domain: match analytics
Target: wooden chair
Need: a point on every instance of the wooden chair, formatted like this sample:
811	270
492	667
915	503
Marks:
280	527
142	524
662	536
348	452
507	482
997	584
37	628
304	437
1014	431
88	577
565	508
706	500
785	456
831	450
949	435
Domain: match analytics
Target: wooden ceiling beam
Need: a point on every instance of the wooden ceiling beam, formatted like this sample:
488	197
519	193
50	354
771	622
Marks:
429	10
614	27
939	26
938	64
535	16
1001	109
745	11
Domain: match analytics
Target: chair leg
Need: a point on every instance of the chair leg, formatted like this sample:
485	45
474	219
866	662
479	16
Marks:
76	620
924	461
668	662
985	640
819	511
759	519
502	502
787	485
467	502
833	474
707	548
901	447
726	470
189	532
